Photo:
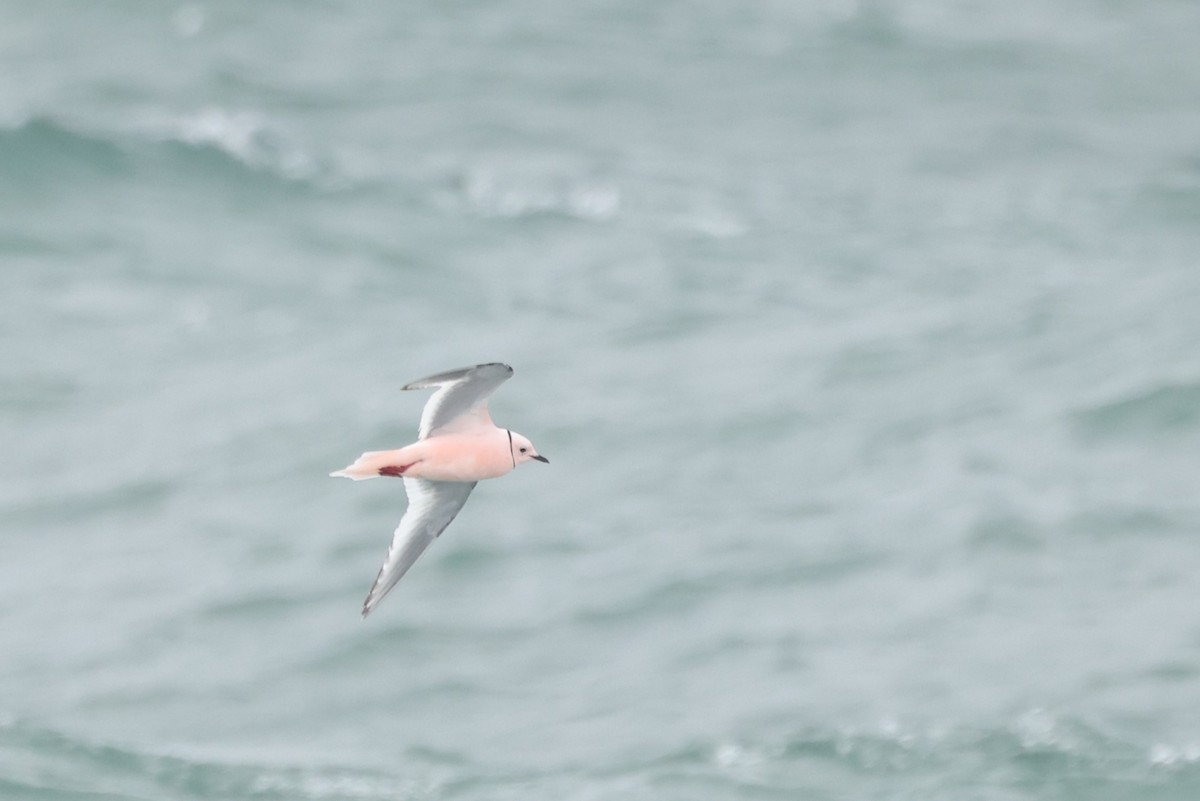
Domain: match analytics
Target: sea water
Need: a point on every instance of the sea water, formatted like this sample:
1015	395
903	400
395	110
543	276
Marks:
862	338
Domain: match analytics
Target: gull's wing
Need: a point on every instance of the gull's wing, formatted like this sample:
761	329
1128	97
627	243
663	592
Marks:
460	392
431	507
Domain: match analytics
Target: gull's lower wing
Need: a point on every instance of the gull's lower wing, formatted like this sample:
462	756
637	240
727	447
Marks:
459	392
432	505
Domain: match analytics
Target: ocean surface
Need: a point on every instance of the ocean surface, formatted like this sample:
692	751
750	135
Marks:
863	339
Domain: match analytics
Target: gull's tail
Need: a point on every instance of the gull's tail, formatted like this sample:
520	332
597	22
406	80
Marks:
373	464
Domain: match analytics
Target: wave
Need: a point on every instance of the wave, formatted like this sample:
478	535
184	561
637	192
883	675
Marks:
244	149
45	763
211	143
117	494
34	394
43	147
1168	408
241	139
1037	747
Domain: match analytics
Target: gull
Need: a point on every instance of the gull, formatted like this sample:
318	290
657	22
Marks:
457	446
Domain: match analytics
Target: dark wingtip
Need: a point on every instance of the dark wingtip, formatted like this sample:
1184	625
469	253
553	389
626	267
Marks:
452	375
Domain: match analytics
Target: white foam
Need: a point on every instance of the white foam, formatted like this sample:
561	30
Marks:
244	135
519	196
1167	756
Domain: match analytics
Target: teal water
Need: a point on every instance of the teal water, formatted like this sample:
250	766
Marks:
862	338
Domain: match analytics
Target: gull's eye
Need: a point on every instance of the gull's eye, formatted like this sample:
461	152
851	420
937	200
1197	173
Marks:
523	450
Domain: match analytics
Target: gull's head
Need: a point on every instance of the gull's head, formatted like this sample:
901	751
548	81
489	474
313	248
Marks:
523	450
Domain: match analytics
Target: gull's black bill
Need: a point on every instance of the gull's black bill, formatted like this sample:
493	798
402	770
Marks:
541	458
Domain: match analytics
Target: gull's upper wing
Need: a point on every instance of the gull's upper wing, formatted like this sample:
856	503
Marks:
460	392
432	505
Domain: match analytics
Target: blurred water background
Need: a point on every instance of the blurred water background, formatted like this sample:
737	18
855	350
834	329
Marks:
862	338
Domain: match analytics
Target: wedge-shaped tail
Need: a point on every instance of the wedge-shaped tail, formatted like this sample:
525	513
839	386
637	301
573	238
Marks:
373	464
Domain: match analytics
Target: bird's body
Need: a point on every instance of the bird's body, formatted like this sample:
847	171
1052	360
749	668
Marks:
458	446
469	456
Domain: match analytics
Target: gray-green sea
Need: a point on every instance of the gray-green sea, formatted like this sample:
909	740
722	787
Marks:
863	338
